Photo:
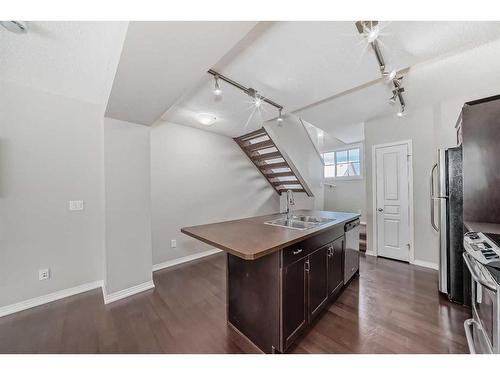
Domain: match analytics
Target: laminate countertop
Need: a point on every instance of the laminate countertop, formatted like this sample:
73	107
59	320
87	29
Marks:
475	226
250	238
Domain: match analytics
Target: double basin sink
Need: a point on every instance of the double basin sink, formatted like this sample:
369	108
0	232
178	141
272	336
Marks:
300	222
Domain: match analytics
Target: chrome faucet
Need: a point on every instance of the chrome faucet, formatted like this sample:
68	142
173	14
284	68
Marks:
290	201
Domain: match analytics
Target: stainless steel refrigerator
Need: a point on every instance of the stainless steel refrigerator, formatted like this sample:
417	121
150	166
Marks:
446	190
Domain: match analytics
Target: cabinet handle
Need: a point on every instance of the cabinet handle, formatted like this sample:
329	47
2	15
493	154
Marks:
297	252
306	265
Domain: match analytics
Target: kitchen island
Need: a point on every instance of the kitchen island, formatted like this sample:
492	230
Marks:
279	279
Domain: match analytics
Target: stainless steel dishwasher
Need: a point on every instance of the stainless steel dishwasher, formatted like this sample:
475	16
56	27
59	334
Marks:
351	253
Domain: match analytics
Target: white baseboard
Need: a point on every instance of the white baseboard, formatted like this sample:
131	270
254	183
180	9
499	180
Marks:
37	301
112	297
370	253
423	263
188	258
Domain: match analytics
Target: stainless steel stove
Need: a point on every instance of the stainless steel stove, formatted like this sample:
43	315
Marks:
482	258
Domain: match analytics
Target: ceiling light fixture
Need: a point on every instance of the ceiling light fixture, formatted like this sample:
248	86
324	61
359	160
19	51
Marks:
280	118
258	99
206	119
217	90
371	31
391	75
18	27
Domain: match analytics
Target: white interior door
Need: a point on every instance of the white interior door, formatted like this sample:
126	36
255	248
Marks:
392	202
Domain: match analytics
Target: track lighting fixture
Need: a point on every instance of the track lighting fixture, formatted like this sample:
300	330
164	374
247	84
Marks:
257	99
371	31
217	90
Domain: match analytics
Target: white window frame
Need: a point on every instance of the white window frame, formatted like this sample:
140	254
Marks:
361	162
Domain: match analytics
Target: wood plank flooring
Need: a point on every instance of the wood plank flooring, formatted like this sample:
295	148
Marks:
392	308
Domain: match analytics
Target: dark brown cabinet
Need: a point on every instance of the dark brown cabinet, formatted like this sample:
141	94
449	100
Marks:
294	300
335	266
273	299
317	280
311	276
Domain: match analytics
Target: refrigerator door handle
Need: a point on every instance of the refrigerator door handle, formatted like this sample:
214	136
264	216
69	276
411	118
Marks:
433	222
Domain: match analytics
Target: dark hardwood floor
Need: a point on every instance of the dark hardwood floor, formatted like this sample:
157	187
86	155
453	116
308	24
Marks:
392	308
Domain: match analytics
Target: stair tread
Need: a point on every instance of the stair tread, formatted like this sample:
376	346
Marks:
279	174
274	166
292	182
269	155
259	146
255	134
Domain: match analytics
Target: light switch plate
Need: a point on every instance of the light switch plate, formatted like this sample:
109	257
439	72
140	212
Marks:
173	243
75	205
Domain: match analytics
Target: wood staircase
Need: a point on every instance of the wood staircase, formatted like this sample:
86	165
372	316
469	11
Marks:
266	156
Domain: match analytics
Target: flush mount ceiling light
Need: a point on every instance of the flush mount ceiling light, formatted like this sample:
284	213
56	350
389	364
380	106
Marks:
217	90
206	119
258	99
371	31
18	27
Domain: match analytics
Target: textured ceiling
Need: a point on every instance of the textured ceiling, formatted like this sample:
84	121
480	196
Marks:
160	61
309	66
74	59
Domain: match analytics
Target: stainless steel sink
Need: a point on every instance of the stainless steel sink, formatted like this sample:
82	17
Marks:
311	219
300	222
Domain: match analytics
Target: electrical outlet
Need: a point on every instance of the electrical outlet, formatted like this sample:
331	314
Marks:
173	243
75	205
44	274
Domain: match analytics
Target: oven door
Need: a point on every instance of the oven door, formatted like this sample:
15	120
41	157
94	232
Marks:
482	329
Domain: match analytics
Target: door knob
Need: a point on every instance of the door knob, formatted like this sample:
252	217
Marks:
380	209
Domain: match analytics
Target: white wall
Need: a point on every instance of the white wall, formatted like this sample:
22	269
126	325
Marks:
50	153
347	196
128	204
436	92
198	177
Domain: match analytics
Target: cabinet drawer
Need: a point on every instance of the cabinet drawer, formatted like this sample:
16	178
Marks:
301	249
293	253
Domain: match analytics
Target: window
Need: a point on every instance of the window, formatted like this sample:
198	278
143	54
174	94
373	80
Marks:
343	163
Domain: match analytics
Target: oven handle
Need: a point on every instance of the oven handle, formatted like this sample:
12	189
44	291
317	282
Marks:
475	276
468	334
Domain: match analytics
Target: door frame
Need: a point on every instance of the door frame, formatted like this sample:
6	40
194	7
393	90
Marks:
409	161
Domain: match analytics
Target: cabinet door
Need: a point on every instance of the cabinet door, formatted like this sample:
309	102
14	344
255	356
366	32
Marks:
294	302
335	266
317	280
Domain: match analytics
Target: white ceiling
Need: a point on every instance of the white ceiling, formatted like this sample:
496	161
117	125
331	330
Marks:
74	59
160	61
311	64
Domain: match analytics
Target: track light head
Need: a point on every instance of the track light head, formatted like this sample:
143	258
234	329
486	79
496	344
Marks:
372	34
217	90
280	117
